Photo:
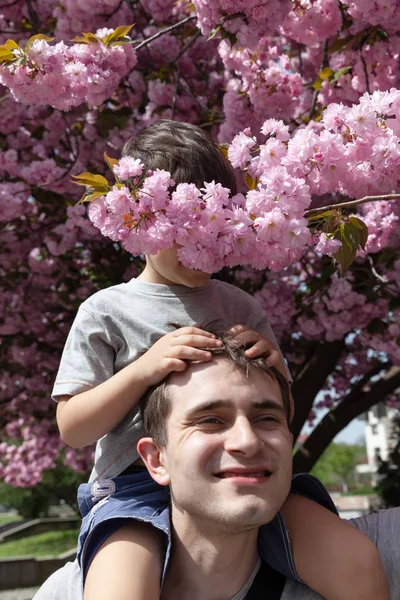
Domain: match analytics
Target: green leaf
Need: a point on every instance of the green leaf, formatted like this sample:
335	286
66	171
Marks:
250	181
7	51
317	85
320	216
326	73
214	32
118	35
350	236
90	195
331	224
340	72
87	38
39	36
91	180
227	35
224	149
111	162
363	228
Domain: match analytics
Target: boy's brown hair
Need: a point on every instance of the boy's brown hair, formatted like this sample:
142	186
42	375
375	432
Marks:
184	150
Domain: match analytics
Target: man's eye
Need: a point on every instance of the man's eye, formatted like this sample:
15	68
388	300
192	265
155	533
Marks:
269	419
210	421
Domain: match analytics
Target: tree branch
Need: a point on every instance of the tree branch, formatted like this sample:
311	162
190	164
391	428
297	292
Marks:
9	4
349	204
164	31
324	63
112	13
359	400
186	47
364	64
34	17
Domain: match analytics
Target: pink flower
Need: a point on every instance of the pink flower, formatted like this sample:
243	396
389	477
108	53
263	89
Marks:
128	167
327	245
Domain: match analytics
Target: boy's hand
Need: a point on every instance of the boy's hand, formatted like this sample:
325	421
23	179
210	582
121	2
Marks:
261	346
258	346
173	350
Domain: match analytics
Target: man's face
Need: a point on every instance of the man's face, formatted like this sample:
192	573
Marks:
229	450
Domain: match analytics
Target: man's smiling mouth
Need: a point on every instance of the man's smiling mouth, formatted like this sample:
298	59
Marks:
244	474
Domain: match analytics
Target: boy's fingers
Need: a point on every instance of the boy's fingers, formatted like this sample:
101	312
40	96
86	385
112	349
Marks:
193	331
237	329
176	365
260	348
189	353
197	341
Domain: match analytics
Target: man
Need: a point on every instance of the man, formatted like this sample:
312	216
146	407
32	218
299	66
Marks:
219	438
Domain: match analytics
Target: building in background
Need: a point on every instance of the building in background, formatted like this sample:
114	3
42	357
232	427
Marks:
378	438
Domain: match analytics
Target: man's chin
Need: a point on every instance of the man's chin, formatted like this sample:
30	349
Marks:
250	515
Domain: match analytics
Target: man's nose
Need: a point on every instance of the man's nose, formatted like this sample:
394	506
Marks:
242	438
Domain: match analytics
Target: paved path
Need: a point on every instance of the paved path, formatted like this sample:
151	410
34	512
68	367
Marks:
21	594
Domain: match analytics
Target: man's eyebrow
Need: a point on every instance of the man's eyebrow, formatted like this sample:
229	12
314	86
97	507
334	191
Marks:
267	403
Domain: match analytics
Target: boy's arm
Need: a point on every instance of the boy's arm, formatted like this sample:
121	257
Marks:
330	556
86	417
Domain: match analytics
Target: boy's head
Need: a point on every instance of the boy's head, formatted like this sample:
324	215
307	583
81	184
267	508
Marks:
184	150
190	156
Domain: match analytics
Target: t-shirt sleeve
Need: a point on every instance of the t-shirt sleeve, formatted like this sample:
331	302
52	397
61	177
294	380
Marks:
383	528
88	357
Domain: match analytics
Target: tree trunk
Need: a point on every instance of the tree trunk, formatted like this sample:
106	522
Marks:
359	400
311	380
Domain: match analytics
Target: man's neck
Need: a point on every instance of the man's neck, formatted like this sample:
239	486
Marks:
206	566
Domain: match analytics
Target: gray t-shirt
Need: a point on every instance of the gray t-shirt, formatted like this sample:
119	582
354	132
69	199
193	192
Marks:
383	528
119	323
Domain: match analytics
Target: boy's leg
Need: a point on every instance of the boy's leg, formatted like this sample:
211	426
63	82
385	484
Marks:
128	565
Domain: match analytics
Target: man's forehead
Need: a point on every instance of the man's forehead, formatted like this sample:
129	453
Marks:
218	379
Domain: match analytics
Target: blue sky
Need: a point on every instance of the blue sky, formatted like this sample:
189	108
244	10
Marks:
352	433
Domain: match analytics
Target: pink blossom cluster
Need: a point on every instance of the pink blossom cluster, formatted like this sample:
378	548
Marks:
375	12
340	310
313	22
73	17
355	151
265	229
37	451
64	76
261	85
247	19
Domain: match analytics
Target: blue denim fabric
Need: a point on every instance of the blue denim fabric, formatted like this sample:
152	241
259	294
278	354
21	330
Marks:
107	504
273	539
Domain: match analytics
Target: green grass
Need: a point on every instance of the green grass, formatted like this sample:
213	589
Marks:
52	543
4	519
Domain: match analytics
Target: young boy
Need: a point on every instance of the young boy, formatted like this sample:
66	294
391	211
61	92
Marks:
105	369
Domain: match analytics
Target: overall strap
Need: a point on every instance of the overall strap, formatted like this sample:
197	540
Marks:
267	585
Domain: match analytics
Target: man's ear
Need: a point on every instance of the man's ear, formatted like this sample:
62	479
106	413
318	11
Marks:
153	458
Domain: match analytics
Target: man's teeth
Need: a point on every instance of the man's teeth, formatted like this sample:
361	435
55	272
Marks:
255	474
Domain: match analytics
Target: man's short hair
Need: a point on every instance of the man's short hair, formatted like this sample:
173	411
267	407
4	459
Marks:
184	150
156	403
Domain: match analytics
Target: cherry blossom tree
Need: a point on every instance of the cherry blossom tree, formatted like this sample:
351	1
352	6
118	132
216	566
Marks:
303	97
